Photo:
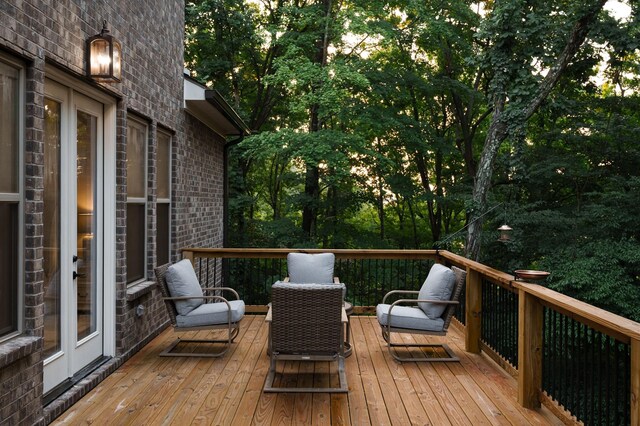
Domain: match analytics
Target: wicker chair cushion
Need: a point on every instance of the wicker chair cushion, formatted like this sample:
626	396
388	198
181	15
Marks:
212	313
305	268
438	286
182	281
408	317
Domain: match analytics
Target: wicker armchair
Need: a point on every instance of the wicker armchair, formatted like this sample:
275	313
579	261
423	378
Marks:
306	324
417	316
307	268
224	315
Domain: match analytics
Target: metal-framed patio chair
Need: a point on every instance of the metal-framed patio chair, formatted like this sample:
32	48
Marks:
430	313
191	310
306	324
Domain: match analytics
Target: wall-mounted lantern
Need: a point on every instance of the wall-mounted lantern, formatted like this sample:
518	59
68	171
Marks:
104	57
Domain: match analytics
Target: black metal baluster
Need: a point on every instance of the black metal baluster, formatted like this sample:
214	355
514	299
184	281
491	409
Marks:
545	348
586	357
501	321
377	284
572	365
596	377
562	392
206	272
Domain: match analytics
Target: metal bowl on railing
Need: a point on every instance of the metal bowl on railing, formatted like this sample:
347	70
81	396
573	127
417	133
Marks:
529	274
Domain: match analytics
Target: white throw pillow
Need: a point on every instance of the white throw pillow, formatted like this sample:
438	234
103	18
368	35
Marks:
306	268
182	281
438	285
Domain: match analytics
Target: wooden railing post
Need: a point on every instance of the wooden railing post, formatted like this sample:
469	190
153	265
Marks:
473	316
188	254
530	325
635	382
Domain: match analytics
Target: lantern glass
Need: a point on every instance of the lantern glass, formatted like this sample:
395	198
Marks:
100	60
116	60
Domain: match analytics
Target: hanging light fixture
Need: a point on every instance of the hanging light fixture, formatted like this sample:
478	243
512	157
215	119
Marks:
505	233
104	57
505	230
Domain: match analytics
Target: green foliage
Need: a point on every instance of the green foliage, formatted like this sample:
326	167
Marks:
390	104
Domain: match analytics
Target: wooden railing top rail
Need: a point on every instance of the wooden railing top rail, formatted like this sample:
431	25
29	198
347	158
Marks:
487	271
275	253
619	327
597	318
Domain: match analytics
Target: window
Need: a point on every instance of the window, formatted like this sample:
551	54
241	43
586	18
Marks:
137	132
10	196
163	201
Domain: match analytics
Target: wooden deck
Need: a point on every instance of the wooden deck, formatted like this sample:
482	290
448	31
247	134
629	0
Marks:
151	390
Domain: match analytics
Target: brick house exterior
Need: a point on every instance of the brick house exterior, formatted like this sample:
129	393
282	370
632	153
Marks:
46	42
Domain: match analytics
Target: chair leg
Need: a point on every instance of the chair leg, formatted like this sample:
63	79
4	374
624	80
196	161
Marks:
348	349
268	385
232	334
390	346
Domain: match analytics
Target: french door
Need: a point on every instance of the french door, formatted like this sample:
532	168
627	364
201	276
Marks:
73	233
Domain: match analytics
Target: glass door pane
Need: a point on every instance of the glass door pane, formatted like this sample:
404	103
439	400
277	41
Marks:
87	127
51	219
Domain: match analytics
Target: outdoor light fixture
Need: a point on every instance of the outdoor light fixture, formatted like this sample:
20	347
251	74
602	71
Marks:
104	57
505	233
505	230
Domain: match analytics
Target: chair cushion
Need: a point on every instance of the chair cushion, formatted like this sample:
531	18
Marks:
182	281
309	286
407	317
438	285
211	314
305	268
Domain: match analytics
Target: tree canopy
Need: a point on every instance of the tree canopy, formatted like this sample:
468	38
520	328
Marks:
393	124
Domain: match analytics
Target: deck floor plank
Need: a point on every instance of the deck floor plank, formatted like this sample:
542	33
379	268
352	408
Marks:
148	389
358	412
378	414
398	397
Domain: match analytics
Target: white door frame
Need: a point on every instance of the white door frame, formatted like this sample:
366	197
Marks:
107	168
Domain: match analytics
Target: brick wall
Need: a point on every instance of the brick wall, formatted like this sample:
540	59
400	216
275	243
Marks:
197	188
54	32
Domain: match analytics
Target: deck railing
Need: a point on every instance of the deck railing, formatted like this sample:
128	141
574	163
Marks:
580	361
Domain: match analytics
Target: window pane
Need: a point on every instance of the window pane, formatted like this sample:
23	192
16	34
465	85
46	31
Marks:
86	290
135	242
9	107
8	268
51	218
163	165
162	240
136	156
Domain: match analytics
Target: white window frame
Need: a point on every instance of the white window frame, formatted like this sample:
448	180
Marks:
19	196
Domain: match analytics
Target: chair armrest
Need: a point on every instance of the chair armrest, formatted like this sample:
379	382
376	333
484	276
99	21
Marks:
197	297
415	302
399	292
235	293
438	302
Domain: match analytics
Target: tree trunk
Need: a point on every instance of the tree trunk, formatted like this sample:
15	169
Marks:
498	131
312	175
311	195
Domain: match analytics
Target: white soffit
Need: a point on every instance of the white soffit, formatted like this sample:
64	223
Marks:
203	105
